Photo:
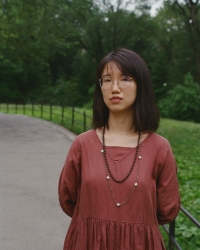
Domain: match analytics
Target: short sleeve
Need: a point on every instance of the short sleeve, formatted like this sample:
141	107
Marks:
69	182
168	198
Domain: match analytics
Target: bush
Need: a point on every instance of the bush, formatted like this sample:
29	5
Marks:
182	102
62	93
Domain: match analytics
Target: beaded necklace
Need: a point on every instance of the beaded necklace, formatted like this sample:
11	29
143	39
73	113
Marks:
109	173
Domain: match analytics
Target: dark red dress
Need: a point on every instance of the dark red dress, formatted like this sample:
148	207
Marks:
84	194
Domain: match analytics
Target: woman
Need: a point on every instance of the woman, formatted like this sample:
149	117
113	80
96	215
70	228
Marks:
119	179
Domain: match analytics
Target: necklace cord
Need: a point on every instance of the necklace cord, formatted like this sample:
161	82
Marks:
106	160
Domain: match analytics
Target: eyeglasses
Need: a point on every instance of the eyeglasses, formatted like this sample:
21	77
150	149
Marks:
123	82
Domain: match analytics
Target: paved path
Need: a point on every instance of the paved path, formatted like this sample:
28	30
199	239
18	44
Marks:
32	154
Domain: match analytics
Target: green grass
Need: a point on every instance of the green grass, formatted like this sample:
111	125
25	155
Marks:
184	138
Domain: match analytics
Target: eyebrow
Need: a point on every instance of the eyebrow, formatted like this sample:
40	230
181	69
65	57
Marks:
111	74
106	75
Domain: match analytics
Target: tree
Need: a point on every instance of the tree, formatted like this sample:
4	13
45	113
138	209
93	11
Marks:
33	39
183	101
190	10
47	45
102	26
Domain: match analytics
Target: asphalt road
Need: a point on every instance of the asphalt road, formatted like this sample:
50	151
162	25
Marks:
32	154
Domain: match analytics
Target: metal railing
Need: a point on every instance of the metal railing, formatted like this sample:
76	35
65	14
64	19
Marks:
49	112
172	243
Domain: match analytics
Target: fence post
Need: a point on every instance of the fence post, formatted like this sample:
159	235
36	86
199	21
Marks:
62	115
24	108
84	121
41	111
32	108
171	234
72	116
50	111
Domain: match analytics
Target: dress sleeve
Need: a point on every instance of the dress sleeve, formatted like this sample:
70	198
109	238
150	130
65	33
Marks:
69	182
168	198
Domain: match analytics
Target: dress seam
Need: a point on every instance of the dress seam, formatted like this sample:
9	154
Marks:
123	222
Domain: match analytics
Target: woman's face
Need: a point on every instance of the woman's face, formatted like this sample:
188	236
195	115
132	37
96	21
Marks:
118	99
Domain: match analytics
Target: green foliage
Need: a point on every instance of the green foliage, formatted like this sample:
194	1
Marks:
33	40
183	101
8	88
84	68
177	37
189	11
187	234
44	43
89	104
60	93
184	138
159	75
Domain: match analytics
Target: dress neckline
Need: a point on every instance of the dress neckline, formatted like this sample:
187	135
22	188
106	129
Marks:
123	147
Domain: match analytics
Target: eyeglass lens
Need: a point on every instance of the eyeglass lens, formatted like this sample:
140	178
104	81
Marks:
123	82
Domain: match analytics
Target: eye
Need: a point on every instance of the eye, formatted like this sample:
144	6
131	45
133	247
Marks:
125	78
106	79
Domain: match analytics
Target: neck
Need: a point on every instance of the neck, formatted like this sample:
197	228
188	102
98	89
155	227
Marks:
120	124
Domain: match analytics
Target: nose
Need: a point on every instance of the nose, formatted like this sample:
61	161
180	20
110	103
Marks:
115	85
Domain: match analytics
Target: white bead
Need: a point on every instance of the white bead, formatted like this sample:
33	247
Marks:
118	204
135	184
140	157
107	177
102	151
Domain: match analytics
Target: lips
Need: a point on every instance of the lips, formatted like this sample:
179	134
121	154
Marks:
115	99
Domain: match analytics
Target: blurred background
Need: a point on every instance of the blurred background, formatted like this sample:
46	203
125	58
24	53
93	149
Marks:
49	50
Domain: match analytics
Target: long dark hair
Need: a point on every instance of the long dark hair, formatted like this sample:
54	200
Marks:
146	115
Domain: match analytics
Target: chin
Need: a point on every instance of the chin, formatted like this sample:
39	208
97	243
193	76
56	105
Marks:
118	109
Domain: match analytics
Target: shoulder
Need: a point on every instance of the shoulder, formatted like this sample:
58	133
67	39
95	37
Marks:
158	140
157	144
86	138
159	149
86	135
82	143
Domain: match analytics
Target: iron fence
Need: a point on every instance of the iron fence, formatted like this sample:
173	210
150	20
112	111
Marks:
172	243
49	111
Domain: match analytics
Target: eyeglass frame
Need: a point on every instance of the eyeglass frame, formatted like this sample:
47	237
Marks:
112	82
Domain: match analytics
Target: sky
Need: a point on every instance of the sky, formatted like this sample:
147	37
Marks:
155	6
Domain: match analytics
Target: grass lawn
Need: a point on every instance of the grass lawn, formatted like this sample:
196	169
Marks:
184	138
